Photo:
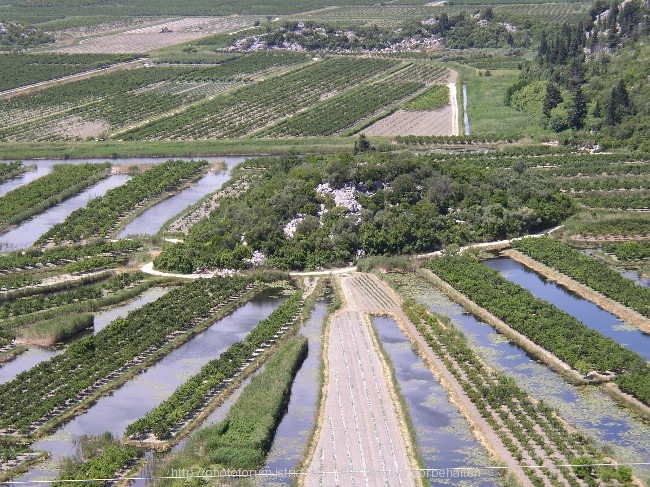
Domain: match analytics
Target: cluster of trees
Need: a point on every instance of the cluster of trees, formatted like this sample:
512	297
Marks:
589	76
15	34
459	32
409	204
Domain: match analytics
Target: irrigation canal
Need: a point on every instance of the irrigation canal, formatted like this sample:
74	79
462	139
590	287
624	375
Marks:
134	399
582	309
442	434
587	408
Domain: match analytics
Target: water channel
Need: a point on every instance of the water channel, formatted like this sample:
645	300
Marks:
148	223
442	433
587	408
27	233
134	399
583	310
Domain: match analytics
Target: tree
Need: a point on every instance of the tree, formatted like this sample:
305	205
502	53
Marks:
552	98
362	145
578	110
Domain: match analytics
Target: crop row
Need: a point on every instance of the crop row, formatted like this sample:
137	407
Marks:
420	73
50	388
26	305
35	257
587	270
253	107
32	198
625	200
604	183
169	416
246	65
19	69
622	226
341	111
244	437
531	430
629	250
100	215
574	343
10	169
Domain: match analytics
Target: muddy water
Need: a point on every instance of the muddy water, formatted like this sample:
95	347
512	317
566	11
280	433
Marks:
134	399
293	431
442	434
582	309
151	221
26	234
587	408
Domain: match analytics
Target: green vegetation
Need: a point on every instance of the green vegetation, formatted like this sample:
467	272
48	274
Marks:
528	428
257	105
389	204
10	169
341	111
17	35
32	198
244	437
629	250
49	332
189	397
20	69
587	270
556	331
101	215
432	99
99	457
85	365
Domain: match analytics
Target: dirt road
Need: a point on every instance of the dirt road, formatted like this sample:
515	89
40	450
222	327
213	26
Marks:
362	440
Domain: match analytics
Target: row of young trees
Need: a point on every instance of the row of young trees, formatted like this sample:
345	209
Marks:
46	387
587	270
100	215
191	395
554	330
63	182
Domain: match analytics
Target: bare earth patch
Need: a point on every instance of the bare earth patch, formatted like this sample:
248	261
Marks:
417	122
152	37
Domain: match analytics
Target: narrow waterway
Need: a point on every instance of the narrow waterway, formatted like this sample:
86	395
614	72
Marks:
443	435
583	310
24	178
26	361
637	277
26	234
290	441
134	399
104	318
36	355
151	221
587	408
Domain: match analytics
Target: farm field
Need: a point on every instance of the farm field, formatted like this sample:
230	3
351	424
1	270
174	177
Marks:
154	312
164	34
